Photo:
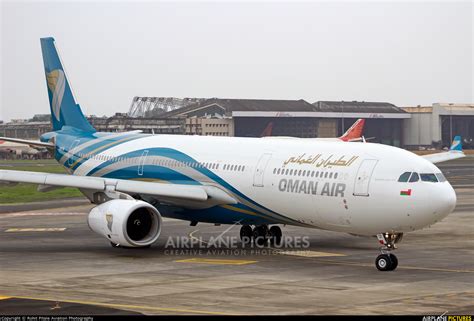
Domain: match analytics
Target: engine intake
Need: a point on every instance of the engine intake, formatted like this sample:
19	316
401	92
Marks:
129	223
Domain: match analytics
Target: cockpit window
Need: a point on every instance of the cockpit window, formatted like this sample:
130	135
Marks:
441	177
414	177
404	177
429	178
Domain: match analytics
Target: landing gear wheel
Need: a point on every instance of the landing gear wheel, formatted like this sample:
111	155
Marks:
246	234
383	262
260	235
394	260
275	235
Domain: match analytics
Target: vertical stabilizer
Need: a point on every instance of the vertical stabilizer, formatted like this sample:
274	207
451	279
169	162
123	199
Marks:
64	109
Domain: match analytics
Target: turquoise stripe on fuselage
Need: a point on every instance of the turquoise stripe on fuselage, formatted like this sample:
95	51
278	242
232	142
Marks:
69	139
215	214
181	157
152	172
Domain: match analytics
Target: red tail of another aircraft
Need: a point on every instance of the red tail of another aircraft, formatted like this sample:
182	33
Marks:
354	132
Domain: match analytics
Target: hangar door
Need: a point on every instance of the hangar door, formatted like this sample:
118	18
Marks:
364	174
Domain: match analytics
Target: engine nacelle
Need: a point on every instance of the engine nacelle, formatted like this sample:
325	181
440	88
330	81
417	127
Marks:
127	223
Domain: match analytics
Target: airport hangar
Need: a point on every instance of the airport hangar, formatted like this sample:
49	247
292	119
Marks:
408	127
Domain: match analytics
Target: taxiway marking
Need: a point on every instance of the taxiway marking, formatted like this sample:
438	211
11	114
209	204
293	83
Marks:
216	261
304	253
4	297
125	306
21	214
332	262
42	229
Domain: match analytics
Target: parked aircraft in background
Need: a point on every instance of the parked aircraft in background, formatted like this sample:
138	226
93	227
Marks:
135	179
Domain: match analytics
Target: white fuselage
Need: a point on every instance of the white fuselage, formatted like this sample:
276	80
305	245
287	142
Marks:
339	186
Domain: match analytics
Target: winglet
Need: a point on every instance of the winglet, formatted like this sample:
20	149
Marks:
456	144
355	131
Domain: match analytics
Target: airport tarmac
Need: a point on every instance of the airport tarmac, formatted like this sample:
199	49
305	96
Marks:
51	261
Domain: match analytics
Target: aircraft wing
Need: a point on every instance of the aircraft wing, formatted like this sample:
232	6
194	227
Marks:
26	142
176	192
455	152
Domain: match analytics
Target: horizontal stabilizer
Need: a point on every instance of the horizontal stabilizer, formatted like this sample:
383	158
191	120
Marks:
27	142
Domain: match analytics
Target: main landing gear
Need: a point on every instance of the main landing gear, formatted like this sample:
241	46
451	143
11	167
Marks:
387	261
261	235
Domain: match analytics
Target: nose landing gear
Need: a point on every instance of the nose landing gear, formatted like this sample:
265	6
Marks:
387	261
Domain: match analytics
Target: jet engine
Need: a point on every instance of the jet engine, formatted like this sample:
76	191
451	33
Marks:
128	223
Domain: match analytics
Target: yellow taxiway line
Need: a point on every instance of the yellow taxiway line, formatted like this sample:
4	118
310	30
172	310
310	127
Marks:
216	261
41	229
307	253
137	308
4	297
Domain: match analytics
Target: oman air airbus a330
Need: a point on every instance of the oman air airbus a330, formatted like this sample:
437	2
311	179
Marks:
136	179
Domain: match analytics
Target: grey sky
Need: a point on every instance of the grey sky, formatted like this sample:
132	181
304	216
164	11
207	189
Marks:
404	53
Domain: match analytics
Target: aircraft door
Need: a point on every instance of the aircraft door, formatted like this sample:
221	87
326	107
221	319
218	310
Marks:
142	162
364	174
260	169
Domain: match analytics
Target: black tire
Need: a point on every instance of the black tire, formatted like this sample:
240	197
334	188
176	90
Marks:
275	235
383	262
394	260
246	234
260	235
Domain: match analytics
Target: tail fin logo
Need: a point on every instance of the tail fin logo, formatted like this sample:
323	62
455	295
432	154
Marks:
456	144
57	84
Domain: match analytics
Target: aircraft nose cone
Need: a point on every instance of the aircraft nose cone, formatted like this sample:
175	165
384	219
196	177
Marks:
447	201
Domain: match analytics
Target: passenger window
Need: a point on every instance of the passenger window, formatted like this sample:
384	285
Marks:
441	177
414	177
404	177
429	178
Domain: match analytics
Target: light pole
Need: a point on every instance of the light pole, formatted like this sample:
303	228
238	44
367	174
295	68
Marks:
450	124
342	108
